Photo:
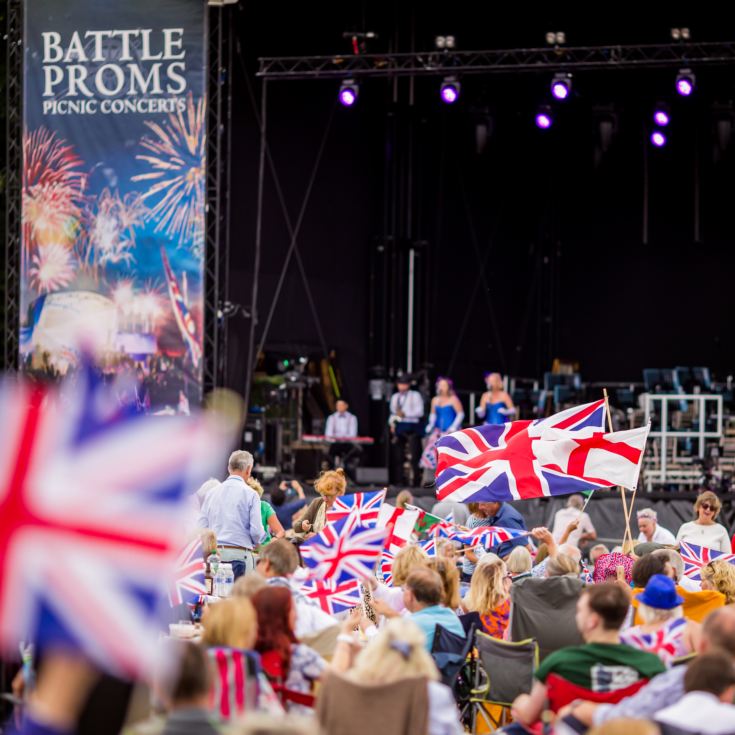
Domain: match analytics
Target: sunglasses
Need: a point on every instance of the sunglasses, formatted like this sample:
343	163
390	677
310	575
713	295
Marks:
707	506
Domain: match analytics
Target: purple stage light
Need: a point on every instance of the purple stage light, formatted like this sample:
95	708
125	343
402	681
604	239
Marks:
543	120
449	92
348	93
561	86
661	118
685	82
560	90
658	139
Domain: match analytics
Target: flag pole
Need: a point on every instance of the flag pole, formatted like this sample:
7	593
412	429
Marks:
627	536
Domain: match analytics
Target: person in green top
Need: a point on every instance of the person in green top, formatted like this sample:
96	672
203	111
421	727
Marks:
602	664
271	524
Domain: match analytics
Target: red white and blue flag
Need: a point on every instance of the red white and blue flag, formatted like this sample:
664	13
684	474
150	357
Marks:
695	557
386	567
566	453
188	582
90	517
184	320
366	507
488	536
343	551
429	546
333	598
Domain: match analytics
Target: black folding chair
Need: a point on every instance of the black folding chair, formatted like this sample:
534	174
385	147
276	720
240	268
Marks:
454	657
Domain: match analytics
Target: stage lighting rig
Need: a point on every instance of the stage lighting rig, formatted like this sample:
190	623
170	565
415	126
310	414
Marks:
680	34
561	86
661	115
658	139
685	81
349	91
449	90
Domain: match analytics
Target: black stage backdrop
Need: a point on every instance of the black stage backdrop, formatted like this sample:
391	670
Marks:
559	233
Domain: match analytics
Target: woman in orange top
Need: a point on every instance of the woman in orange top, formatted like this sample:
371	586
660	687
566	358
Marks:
489	595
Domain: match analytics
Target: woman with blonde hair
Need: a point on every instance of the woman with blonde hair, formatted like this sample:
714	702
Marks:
330	485
230	623
449	574
719	575
388	600
703	531
396	661
519	563
489	595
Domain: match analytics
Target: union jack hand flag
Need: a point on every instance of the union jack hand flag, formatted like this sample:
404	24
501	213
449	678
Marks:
488	536
90	518
695	557
188	582
333	598
366	507
344	551
386	567
566	453
429	546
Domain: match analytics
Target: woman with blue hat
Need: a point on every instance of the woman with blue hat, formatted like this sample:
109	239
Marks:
664	631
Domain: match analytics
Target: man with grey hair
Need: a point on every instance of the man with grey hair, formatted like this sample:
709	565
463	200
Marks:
649	529
232	511
573	513
677	567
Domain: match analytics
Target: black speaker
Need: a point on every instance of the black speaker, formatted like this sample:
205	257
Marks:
307	463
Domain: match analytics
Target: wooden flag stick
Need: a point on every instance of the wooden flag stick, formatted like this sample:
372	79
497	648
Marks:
627	536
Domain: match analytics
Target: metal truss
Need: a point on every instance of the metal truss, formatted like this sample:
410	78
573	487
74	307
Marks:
550	58
13	192
217	245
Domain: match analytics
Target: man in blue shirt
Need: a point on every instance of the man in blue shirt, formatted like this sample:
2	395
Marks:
232	511
422	594
505	516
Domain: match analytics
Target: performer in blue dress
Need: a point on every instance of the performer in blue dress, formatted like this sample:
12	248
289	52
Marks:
446	416
496	406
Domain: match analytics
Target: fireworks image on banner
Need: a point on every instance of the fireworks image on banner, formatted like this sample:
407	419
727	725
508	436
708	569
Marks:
51	268
109	236
175	157
53	194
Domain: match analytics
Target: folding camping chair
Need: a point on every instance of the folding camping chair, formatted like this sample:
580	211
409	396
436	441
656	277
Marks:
505	670
454	657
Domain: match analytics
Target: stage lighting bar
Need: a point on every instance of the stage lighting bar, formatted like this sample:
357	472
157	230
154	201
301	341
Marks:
658	139
661	115
348	93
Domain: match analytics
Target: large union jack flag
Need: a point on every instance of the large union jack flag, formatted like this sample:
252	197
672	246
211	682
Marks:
343	551
90	518
188	582
333	598
695	557
522	459
366	507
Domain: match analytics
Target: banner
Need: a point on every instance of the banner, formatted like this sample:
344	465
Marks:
113	212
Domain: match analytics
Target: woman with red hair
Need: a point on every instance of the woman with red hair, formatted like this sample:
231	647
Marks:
284	659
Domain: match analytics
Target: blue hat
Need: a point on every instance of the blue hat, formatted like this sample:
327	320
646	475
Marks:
660	593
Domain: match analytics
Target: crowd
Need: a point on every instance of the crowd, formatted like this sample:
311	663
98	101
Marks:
584	638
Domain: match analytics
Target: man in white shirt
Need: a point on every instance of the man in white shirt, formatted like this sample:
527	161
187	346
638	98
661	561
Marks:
649	529
232	511
585	531
341	427
406	413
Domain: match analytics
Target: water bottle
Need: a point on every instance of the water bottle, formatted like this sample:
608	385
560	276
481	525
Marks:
228	579
219	582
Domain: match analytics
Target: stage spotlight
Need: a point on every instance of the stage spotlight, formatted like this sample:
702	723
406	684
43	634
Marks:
449	91
685	80
658	139
661	117
544	120
348	93
561	86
